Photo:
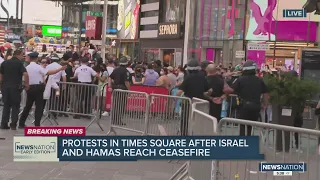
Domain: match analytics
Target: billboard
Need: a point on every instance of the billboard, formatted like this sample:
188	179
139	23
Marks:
128	17
41	12
94	27
52	31
281	20
8	8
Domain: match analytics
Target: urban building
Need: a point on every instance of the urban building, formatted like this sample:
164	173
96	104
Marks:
215	30
228	31
161	30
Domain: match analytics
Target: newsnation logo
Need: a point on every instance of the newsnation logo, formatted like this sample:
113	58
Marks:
35	149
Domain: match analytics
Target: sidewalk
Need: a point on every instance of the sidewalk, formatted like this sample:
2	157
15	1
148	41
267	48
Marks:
140	170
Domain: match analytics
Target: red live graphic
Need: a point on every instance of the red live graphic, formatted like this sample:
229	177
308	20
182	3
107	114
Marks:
54	131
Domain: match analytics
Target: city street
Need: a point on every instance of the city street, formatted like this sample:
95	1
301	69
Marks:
141	170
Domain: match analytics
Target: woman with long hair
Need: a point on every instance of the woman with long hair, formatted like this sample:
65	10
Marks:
138	78
163	80
180	77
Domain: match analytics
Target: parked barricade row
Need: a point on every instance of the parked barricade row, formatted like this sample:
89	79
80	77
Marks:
200	124
129	111
136	88
145	114
284	144
79	100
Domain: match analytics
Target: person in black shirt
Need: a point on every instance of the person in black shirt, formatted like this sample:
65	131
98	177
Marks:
204	66
194	85
249	88
216	94
11	73
119	79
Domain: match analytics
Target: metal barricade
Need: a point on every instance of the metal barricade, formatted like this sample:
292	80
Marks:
78	99
232	105
200	124
168	115
129	111
284	145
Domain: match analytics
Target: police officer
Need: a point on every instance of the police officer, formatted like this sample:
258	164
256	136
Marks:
85	75
119	79
194	85
249	88
11	78
35	92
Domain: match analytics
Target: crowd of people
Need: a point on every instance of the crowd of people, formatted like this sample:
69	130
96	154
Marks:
204	80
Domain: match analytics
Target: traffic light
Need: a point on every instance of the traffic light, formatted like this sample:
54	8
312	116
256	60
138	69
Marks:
311	6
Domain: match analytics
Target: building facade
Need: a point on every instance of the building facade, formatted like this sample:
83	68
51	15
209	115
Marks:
161	31
228	31
215	30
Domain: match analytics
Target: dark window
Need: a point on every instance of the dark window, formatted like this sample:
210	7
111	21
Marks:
173	10
148	27
149	13
149	1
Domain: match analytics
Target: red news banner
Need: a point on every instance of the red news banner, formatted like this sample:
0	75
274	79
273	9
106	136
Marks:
54	131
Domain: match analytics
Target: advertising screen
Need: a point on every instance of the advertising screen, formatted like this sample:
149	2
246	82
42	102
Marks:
52	31
41	12
9	9
128	16
284	20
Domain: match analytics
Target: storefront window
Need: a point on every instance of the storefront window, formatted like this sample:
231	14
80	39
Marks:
151	55
174	10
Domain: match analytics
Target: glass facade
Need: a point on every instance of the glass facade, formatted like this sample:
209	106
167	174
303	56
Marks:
220	28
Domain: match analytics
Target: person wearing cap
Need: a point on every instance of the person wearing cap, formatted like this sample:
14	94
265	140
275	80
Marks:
11	74
35	92
119	79
85	75
194	85
249	89
55	78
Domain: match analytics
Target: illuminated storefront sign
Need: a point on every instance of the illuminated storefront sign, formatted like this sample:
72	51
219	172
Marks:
53	31
169	30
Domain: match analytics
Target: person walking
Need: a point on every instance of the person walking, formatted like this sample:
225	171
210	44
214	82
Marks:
11	73
35	92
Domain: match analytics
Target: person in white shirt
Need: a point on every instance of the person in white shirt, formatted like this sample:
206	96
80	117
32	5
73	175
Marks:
35	92
85	75
59	102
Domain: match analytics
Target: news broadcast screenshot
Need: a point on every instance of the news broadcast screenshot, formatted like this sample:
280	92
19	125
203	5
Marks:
159	89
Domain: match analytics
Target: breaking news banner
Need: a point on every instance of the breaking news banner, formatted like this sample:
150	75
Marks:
54	131
283	169
133	148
